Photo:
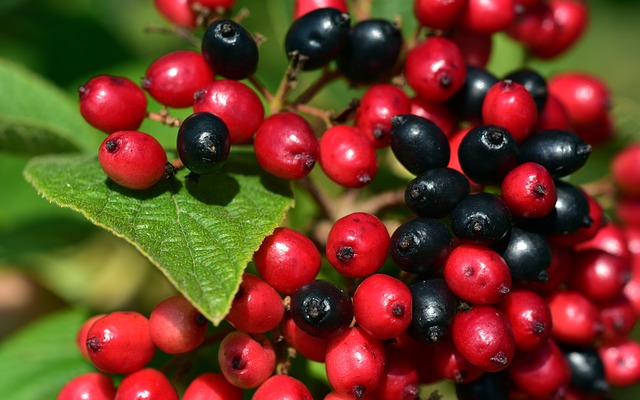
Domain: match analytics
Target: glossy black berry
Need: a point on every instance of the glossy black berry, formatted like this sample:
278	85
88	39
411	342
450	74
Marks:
481	218
319	36
230	50
535	84
487	153
494	386
527	254
436	192
371	51
467	102
433	308
203	143
560	152
587	369
418	144
321	308
421	245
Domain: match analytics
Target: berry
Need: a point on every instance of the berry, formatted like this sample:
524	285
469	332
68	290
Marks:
90	385
178	12
560	152
176	326
481	218
256	307
451	365
510	105
476	47
482	16
527	254
321	308
382	306
493	386
553	116
215	4
618	317
120	342
599	275
418	144
571	17
467	101
439	14
211	386
436	192
279	387
319	36
347	157
112	103
529	317
587	369
379	104
529	191
400	377
624	170
203	143
173	78
81	336
302	7
433	310
146	383
229	49
311	347
286	146
621	360
436	112
575	318
246	360
357	245
421	245
535	84
235	103
287	259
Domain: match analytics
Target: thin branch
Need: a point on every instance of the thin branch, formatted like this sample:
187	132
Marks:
320	197
327	76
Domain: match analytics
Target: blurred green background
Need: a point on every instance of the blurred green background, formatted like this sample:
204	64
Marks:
51	259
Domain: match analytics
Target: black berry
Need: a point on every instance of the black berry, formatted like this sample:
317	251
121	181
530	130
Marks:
203	143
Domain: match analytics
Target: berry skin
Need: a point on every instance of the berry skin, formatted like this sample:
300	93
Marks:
347	157
235	103
571	18
527	254
436	112
529	317
112	103
319	36
451	365
618	317
433	310
576	319
230	50
382	306
321	308
435	69
476	48
214	4
282	387
482	16
257	307
203	143
421	245
211	386
357	245
120	342
553	116
246	360
91	385
400	377
587	370
480	218
560	152
510	105
173	78
355	362
147	383
493	386
286	146
529	191
625	171
599	275
379	104
287	259
535	84
439	14
483	336
621	360
436	192
477	274
302	7
178	12
311	347
468	100
81	337
176	326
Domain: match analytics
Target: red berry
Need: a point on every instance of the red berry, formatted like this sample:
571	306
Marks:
311	347
211	386
488	16
511	106
571	17
89	386
618	317
476	47
625	170
575	318
174	78
435	69
112	103
598	275
257	307
214	4
382	306
553	116
529	191
399	379
529	316
286	146
178	12
134	160
302	7
536	27
145	384
176	326
378	105
287	259
357	245
246	360
282	387
477	274
120	342
621	360
81	337
235	103
557	272
439	14
452	365
347	157
436	112
483	336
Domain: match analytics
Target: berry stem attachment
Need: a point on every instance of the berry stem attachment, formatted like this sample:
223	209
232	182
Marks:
164	117
362	9
181	32
287	83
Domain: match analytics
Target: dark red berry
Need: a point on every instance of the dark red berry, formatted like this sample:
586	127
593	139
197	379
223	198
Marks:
576	319
488	16
256	307
624	170
439	14
309	346
476	47
618	318
176	326
178	12
211	386
400	377
90	385
451	364
510	105
529	191
215	5
529	317
571	17
148	383
302	7
203	143
553	116
379	104
347	157
229	49
246	360
321	308
599	275
436	112
621	360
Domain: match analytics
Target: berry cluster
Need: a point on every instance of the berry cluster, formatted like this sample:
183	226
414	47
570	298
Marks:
502	276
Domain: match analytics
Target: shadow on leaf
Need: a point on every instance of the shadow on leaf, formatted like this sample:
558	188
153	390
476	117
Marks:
213	189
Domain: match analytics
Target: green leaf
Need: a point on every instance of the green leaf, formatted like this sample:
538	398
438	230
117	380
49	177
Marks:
200	234
36	117
38	360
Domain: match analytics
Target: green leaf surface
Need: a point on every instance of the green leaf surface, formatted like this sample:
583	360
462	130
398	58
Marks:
200	234
36	117
38	360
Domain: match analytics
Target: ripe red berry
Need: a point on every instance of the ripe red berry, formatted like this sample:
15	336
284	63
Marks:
178	12
618	318
571	18
120	342
81	337
280	387
378	105
436	112
235	103
134	160
476	47
309	346
347	157
488	16
400	378
246	360
173	78
450	364
621	360
529	316
211	386
112	103
257	307
435	69
625	171
147	383
91	385
214	4
382	306
176	326
599	275
357	245
575	318
535	27
511	106
553	116
302	7
287	259
439	14
529	191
